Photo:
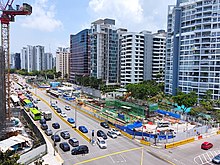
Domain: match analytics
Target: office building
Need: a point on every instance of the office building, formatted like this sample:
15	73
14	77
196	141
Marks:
104	51
79	60
132	58
193	49
62	61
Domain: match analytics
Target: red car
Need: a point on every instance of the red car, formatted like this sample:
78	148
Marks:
206	145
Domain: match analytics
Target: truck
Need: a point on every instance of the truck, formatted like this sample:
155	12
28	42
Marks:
47	115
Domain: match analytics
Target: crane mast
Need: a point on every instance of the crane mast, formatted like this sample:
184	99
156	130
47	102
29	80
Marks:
7	16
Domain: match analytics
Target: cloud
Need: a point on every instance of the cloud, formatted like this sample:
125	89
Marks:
42	17
136	15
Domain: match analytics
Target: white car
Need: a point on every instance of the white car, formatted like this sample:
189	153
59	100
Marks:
101	143
67	107
111	134
63	114
117	132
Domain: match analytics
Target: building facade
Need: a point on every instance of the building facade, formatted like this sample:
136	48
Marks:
104	51
193	49
62	61
132	58
79	61
47	62
158	55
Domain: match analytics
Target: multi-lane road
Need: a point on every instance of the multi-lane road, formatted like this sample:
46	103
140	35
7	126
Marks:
119	151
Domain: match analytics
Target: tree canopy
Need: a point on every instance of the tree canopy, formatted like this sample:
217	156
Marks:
8	158
184	100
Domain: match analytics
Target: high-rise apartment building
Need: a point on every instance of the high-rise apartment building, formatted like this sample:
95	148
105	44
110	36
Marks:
104	51
193	49
79	61
34	58
132	58
158	55
62	61
15	61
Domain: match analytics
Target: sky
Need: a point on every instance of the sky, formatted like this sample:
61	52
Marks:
52	21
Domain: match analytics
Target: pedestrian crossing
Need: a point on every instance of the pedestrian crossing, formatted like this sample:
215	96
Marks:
206	158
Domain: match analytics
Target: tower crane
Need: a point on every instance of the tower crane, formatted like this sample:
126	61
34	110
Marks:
8	14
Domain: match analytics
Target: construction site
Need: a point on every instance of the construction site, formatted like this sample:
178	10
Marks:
8	14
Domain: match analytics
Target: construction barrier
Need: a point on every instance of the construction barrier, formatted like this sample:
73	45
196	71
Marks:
199	137
127	135
218	132
144	142
182	142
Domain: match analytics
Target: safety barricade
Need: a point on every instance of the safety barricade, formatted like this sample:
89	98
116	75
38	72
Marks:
182	142
144	142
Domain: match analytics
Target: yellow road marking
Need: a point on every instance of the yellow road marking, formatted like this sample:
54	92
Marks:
104	156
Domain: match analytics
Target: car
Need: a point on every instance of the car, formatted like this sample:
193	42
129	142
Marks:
83	129
63	114
104	124
82	149
67	107
65	146
56	125
55	107
55	138
102	134
35	101
117	132
111	134
216	159
73	142
70	120
65	135
48	132
53	104
206	145
42	121
101	143
44	126
59	110
38	99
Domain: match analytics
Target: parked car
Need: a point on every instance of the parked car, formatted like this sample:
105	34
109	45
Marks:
42	121
216	159
65	146
117	132
70	120
59	110
206	145
74	142
101	143
67	107
35	101
55	138
48	132
83	129
102	134
65	134
56	125
83	149
104	124
44	126
38	99
63	114
111	134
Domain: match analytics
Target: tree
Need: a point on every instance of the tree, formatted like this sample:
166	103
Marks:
207	101
7	158
58	74
185	101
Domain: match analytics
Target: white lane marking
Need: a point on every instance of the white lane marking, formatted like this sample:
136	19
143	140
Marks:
211	154
112	159
124	160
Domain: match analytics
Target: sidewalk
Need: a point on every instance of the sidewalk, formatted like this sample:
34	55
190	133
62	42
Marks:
49	158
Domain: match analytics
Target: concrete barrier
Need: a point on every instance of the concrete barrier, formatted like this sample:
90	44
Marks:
126	134
182	142
144	142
